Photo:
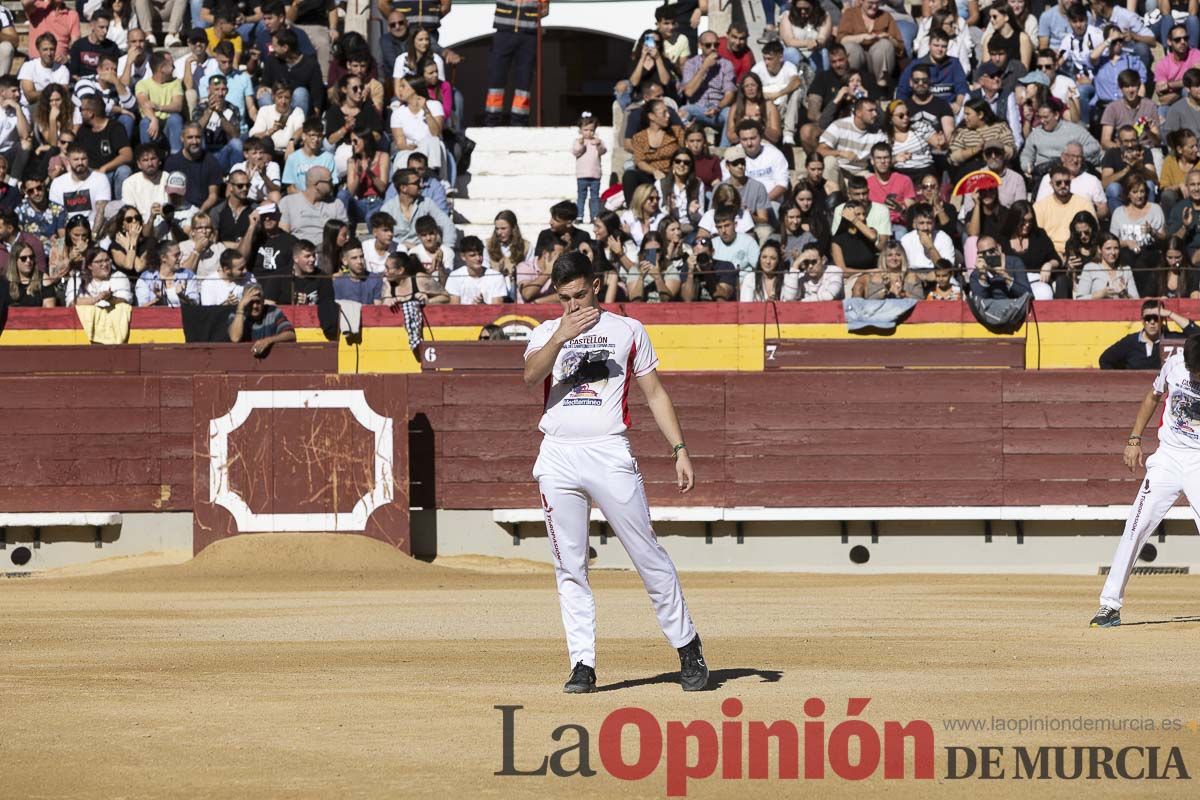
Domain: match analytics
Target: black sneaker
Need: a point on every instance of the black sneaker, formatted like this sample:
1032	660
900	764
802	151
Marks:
582	680
693	672
1107	617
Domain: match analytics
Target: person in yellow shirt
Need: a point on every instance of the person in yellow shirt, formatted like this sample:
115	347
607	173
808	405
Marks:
225	30
1055	212
160	100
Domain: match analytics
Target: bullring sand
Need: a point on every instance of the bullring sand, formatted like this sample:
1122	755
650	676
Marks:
331	666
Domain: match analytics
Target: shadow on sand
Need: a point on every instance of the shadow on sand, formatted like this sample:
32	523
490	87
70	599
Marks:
716	679
1161	621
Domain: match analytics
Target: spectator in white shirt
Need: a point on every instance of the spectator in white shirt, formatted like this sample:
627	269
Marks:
809	278
417	122
782	85
764	162
229	284
923	245
472	283
280	121
38	73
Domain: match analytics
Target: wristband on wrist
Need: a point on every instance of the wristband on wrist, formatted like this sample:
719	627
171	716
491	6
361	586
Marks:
1134	439
675	450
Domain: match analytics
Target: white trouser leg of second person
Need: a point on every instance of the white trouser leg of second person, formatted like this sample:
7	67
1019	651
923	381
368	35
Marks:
1167	474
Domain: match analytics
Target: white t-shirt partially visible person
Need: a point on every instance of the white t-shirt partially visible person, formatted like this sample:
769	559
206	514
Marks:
417	124
472	283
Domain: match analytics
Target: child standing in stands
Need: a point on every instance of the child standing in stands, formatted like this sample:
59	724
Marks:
587	150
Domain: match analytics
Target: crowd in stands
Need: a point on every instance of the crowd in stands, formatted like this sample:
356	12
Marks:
163	152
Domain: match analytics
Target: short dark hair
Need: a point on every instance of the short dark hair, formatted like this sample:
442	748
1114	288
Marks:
881	147
92	102
417	155
546	242
1191	78
228	256
46	37
724	215
287	37
1191	354
196	36
749	125
996	46
313	125
1128	77
775	48
103	13
470	244
157	59
1058	168
402	176
570	266
273	7
857	182
565	210
426	224
142	149
940	35
381	219
1076	12
224	48
304	246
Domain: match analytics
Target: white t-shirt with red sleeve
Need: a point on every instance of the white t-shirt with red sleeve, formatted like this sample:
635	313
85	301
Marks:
587	394
1181	417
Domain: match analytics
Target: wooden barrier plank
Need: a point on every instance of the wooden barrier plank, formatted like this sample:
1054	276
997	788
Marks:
1074	441
1077	386
87	421
900	493
902	388
1082	492
773	414
1058	466
877	353
1068	415
191	359
863	441
66	391
30	360
838	468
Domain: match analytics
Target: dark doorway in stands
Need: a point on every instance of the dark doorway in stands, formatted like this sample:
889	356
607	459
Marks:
579	70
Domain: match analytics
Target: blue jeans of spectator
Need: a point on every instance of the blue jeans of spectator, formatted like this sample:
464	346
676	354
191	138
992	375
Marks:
117	177
300	98
696	112
1113	195
587	191
194	7
1087	97
819	60
360	209
769	7
908	32
170	130
230	154
1164	25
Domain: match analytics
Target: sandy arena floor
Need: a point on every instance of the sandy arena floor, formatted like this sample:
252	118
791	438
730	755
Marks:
286	667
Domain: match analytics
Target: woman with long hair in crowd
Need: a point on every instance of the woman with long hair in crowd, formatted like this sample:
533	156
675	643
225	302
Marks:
673	254
1023	237
644	212
648	62
705	165
614	253
65	262
420	47
98	283
26	287
803	220
750	96
505	248
683	195
1006	29
1140	226
1177	278
351	110
52	117
1106	277
334	236
805	32
652	148
911	155
123	20
407	280
892	278
1183	158
126	239
1082	247
366	176
769	272
855	246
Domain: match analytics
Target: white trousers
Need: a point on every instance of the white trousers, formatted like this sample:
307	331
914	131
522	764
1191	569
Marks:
604	471
1169	472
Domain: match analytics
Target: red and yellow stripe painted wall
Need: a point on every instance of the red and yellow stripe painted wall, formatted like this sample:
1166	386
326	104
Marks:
688	337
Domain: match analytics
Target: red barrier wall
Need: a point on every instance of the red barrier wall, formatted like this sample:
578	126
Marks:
977	437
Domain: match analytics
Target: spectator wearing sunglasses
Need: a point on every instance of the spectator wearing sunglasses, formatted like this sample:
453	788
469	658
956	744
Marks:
1140	350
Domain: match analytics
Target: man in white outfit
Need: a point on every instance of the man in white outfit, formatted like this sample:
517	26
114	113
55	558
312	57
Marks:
586	360
1174	468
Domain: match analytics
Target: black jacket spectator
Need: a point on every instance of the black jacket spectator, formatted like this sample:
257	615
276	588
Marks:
1135	351
306	72
994	287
